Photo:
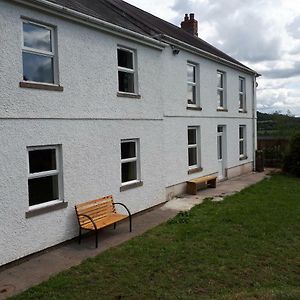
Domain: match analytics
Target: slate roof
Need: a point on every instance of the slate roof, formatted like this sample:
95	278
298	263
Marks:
123	14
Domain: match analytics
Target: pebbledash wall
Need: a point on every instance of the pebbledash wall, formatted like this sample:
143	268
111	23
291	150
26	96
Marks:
88	120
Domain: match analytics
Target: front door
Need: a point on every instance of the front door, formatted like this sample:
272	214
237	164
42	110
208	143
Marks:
221	152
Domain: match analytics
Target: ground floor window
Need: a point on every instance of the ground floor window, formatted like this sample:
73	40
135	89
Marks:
242	141
45	175
193	147
130	161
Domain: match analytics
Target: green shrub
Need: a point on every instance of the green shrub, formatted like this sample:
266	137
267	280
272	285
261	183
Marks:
292	159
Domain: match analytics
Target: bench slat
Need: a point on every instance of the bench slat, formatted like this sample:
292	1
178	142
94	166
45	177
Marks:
105	221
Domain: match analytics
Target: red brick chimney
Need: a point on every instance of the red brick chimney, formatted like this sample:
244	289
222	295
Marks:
189	24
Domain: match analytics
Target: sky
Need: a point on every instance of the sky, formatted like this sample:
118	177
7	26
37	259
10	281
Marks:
263	34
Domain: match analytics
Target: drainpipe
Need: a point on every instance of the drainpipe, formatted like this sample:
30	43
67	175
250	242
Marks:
254	119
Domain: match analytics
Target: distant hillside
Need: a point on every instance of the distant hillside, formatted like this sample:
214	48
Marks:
277	124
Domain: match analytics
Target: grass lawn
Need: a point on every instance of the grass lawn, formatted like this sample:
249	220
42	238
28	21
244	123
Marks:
246	247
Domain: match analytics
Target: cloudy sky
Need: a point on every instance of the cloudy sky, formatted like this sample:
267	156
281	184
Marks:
263	34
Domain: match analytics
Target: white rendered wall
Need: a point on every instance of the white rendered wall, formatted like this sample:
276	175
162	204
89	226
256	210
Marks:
89	120
91	169
178	118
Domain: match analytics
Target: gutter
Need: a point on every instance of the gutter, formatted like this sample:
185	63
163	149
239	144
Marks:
73	15
195	50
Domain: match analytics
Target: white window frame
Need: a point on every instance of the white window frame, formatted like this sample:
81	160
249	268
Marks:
132	159
52	54
195	84
130	71
243	94
196	146
243	140
222	89
57	172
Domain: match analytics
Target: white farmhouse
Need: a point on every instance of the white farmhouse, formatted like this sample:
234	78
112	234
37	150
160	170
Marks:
99	97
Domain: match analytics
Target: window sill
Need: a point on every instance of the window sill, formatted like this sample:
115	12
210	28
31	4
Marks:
131	186
194	108
243	157
241	111
193	171
128	95
222	109
46	209
41	86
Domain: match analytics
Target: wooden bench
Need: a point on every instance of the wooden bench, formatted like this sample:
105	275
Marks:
192	185
96	214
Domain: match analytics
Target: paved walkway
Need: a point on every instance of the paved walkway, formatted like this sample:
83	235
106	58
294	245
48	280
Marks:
38	268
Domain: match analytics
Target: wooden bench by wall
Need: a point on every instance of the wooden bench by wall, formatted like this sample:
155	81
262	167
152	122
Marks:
96	214
194	184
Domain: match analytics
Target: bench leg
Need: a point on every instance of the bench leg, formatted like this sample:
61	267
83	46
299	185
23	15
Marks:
212	183
96	238
79	236
130	223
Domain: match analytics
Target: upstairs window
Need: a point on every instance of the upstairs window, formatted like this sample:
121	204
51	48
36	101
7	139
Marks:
45	175
193	147
191	85
130	161
38	53
221	90
242	94
242	141
126	71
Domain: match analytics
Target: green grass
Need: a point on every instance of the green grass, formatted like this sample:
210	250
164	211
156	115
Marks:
246	247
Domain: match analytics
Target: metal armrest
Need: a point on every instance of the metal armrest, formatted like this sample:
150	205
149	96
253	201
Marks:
90	218
124	207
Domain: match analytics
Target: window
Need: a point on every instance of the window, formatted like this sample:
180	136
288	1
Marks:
193	147
242	140
130	169
38	52
126	71
220	131
242	94
221	90
191	84
45	175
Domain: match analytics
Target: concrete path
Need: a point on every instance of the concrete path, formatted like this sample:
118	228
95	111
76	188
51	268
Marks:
37	268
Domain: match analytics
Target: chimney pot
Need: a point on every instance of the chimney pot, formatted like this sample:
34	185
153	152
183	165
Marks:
189	24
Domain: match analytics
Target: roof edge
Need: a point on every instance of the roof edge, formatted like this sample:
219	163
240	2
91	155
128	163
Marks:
198	51
79	17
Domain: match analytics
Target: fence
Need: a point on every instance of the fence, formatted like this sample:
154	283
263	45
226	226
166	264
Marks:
274	150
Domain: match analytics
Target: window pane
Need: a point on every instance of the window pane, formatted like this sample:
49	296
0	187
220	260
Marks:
37	37
220	80
37	68
191	73
126	82
191	94
220	129
192	136
241	101
129	171
241	132
241	148
220	147
42	160
125	59
43	189
128	150
241	85
192	156
220	98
